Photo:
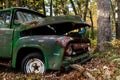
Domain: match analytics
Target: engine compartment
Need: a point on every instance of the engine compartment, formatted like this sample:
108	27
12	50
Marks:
80	44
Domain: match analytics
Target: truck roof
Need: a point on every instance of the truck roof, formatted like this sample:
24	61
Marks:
22	9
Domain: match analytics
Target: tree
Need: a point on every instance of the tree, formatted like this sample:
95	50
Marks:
1	4
86	8
56	8
19	3
63	7
51	7
104	26
44	10
7	2
118	22
72	3
92	28
79	8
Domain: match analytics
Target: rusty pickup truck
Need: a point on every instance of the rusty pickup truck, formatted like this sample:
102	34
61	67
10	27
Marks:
34	43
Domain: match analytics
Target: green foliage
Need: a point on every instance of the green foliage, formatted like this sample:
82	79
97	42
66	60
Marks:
112	52
116	43
113	57
88	33
97	54
93	42
38	5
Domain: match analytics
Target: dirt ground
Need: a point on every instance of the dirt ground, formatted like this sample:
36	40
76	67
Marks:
96	69
103	66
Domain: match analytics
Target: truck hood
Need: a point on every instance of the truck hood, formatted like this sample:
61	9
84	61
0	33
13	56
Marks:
61	24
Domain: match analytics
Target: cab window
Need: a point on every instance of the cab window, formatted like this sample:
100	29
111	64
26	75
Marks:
5	17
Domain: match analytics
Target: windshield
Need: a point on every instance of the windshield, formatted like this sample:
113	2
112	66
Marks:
5	17
26	16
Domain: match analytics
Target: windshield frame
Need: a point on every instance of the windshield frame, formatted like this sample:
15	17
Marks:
25	11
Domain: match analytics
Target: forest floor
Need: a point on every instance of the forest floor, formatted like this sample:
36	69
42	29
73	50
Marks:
103	66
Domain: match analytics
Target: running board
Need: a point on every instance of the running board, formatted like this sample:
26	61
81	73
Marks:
5	64
85	60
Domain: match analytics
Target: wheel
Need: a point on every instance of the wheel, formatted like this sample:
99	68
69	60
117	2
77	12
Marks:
33	63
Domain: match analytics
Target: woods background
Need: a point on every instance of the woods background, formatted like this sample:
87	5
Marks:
104	18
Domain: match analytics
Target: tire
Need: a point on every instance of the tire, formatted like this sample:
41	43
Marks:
33	63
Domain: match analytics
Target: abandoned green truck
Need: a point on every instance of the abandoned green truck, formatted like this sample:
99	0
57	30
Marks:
34	43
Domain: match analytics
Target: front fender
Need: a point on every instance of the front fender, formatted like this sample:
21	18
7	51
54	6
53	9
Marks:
20	44
52	52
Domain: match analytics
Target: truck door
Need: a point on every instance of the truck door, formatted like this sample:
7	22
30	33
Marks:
6	34
5	42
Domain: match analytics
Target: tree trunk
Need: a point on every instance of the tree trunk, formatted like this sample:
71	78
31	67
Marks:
19	3
1	4
7	3
118	24
56	8
104	26
92	28
79	8
34	2
51	8
44	10
115	22
63	7
72	3
86	8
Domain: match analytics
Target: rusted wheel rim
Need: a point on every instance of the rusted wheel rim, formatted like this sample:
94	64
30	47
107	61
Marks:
35	65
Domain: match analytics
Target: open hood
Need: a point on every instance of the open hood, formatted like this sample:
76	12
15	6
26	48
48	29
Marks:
66	27
60	24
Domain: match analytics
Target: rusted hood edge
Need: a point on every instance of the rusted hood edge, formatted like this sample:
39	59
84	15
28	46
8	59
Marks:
52	21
